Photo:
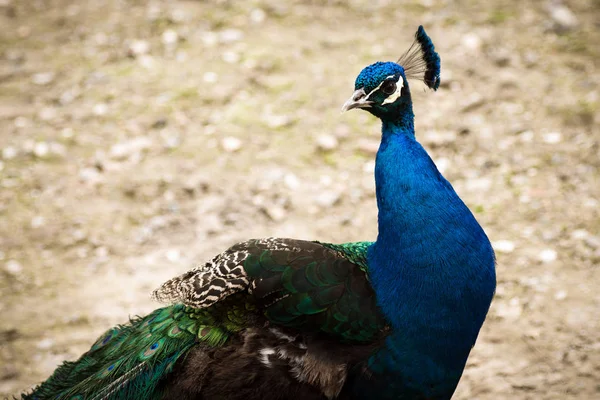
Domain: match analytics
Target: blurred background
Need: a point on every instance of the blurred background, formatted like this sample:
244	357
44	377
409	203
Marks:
138	138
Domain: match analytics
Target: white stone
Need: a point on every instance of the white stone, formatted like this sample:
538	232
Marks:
368	146
37	221
547	255
369	167
579	234
471	41
552	137
100	109
139	47
21	122
170	37
560	295
327	142
442	164
13	267
173	255
276	121
275	212
231	144
210	38
328	198
41	149
230	57
503	246
210	77
43	78
45	344
563	16
257	16
230	35
146	61
121	151
57	149
67	133
47	113
291	181
101	252
8	153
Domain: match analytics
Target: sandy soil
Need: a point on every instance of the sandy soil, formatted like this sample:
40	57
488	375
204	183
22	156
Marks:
138	138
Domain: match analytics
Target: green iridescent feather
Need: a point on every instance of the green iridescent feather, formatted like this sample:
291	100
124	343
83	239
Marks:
319	289
355	252
128	362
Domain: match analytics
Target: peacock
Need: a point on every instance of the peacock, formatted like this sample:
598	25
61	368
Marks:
282	318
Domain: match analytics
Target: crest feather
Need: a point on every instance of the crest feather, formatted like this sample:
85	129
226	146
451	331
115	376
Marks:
421	61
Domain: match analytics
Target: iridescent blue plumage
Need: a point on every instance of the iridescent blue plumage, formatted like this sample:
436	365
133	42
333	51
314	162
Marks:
432	266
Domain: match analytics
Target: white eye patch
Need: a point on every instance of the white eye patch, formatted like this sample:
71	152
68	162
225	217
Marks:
392	97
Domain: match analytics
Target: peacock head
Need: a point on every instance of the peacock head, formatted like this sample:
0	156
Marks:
382	88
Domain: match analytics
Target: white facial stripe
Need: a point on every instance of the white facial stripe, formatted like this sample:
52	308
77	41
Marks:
392	97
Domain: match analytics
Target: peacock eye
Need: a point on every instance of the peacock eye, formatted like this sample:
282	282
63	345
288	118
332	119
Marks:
389	87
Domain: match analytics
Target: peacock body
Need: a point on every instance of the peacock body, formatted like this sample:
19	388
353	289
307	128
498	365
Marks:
284	318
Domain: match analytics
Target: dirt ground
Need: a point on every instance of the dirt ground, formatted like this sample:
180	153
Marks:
138	138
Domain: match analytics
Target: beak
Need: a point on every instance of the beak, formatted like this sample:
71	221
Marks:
357	100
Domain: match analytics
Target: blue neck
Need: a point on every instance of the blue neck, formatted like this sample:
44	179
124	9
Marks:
432	268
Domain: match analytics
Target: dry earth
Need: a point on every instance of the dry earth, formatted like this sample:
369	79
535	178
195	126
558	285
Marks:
137	138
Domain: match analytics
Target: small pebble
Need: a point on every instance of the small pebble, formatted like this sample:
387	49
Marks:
101	252
471	41
47	113
503	246
552	137
210	77
368	146
442	164
327	142
547	255
276	121
564	19
275	212
146	61
230	57
231	144
21	122
560	295
328	198
173	255
230	35
257	16
210	38
41	149
43	78
100	109
13	267
45	344
37	221
291	181
124	150
138	48
369	167
90	175
170	37
8	153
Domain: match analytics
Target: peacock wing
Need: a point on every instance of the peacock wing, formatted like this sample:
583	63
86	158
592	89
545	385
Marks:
308	286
